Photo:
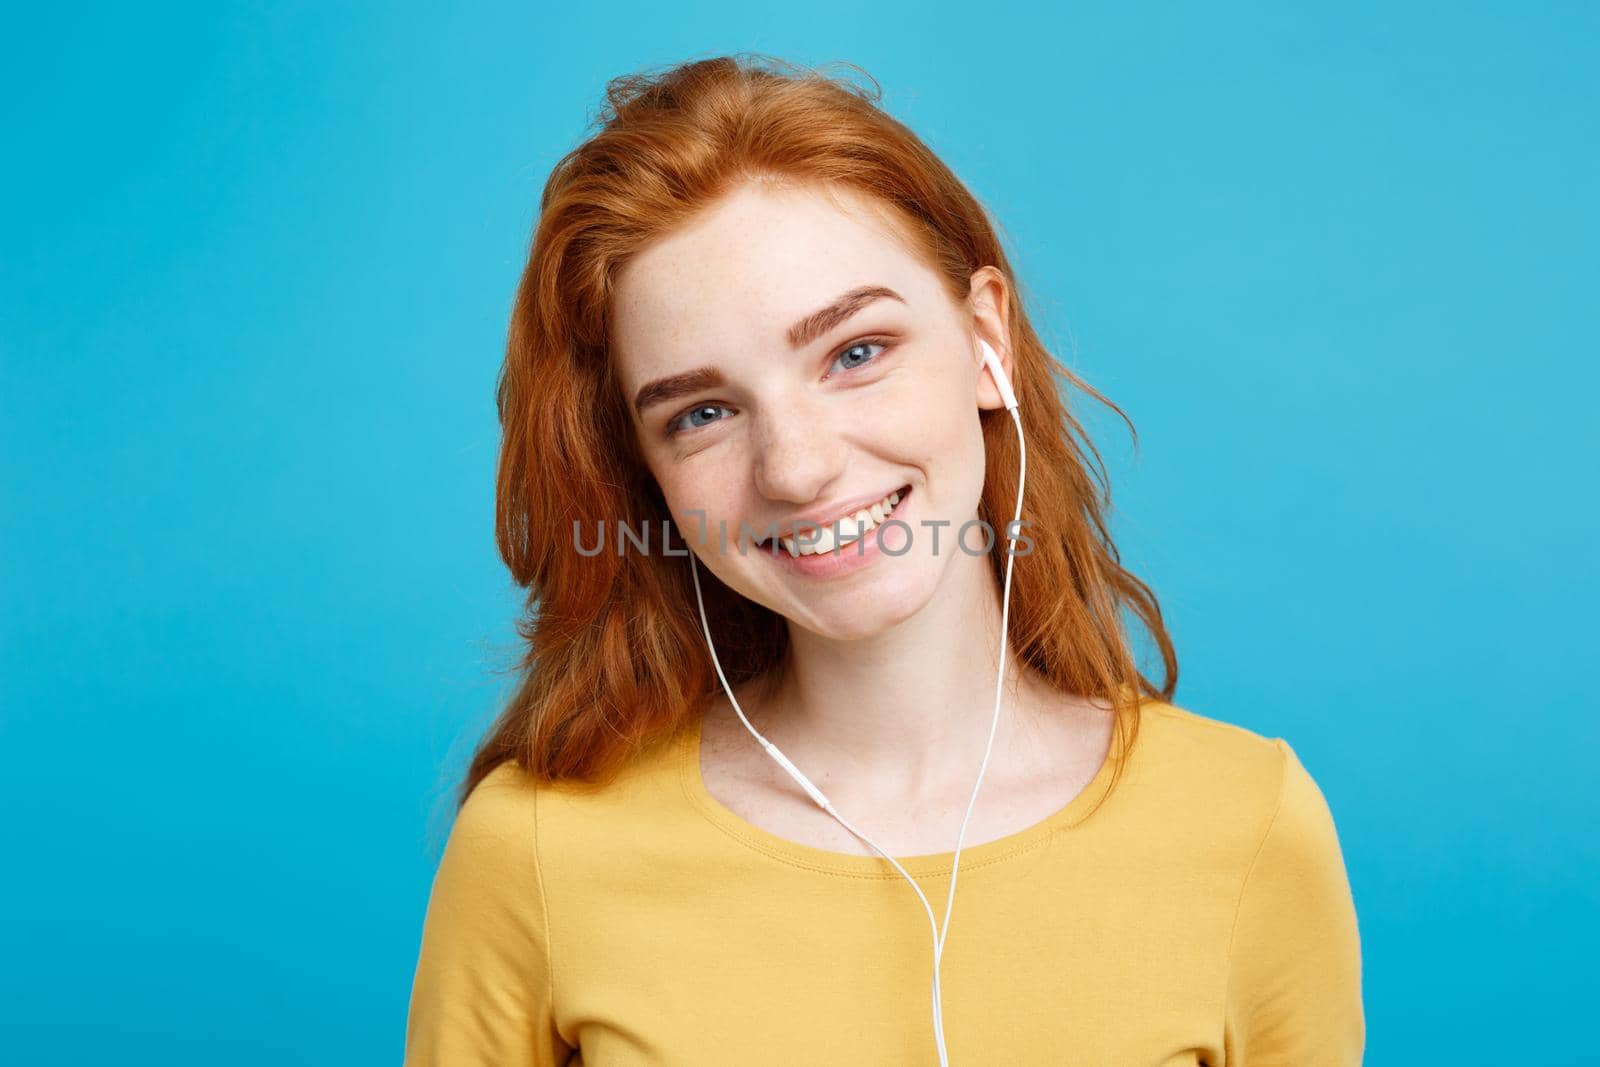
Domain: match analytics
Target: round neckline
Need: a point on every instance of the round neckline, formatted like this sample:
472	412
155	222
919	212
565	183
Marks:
764	841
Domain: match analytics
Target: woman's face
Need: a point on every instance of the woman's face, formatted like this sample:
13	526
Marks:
757	411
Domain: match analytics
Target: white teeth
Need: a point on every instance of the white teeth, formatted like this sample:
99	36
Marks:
850	528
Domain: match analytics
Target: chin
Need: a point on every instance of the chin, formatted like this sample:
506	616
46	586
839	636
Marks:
869	613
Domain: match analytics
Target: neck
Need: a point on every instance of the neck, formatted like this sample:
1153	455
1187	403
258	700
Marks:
906	714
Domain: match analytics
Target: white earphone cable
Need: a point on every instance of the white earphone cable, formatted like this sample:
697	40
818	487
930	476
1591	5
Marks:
1005	615
822	801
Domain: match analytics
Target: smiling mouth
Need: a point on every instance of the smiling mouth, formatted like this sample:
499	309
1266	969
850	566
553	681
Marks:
777	545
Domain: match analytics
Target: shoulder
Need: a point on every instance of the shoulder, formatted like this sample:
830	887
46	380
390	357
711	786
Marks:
502	802
562	822
1186	731
1182	749
493	836
482	989
1251	784
487	895
1268	767
1293	943
510	798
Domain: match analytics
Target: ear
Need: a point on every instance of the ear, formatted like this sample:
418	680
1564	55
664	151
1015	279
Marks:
989	303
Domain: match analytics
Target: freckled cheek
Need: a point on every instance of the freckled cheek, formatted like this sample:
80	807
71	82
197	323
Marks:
930	433
697	506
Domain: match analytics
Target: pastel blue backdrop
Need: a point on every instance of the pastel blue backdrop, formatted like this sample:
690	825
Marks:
1338	265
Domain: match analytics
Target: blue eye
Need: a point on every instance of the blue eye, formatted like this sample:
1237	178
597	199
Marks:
869	342
675	426
688	421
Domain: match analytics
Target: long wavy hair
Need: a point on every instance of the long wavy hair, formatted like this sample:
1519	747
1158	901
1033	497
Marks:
614	657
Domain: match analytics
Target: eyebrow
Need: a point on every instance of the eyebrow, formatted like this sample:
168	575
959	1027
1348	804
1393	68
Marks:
802	333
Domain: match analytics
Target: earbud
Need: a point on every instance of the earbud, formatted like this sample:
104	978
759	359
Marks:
1001	382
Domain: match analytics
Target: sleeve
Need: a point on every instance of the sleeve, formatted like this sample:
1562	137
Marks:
483	991
1294	979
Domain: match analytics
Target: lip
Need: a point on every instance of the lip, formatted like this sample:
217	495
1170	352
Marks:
824	518
837	561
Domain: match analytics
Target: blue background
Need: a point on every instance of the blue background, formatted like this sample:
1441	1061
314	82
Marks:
1338	265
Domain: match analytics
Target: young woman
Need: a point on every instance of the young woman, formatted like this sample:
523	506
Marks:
750	761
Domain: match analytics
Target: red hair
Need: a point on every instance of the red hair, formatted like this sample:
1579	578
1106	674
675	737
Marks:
614	656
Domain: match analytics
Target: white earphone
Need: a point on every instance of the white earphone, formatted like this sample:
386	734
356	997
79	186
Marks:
1009	398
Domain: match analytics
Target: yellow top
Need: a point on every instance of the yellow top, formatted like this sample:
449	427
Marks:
1199	915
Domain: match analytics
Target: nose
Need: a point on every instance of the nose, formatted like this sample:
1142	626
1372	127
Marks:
798	451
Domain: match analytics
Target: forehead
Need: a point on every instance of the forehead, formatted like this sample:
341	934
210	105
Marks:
743	271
